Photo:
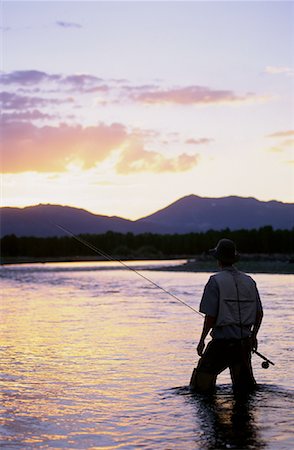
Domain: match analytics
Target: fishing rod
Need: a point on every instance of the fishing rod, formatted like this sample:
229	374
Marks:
265	364
111	258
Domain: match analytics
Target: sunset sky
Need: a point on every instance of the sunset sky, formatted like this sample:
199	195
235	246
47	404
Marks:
121	108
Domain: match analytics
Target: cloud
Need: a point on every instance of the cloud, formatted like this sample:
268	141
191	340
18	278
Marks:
81	79
199	141
135	158
279	70
147	94
12	101
26	116
65	24
85	83
282	134
287	144
50	149
189	95
27	77
27	147
284	140
81	82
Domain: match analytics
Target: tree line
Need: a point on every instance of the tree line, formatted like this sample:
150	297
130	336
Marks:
264	240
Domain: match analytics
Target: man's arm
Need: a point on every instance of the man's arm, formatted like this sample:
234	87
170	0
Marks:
256	326
257	323
209	322
209	307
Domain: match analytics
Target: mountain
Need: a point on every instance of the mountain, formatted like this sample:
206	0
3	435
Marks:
193	213
188	214
41	221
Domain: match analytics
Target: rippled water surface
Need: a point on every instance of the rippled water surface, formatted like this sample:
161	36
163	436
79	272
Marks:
94	357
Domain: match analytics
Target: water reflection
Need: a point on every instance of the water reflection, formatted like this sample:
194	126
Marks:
227	421
84	354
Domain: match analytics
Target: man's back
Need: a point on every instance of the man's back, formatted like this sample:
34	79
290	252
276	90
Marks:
238	298
232	298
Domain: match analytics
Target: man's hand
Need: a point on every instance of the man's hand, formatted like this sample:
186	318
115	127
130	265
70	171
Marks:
209	322
256	327
200	347
254	343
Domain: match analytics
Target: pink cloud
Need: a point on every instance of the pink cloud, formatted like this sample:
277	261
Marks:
199	141
284	140
282	134
148	93
135	158
283	145
189	95
50	149
27	147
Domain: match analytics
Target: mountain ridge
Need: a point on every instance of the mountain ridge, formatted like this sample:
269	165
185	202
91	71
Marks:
190	213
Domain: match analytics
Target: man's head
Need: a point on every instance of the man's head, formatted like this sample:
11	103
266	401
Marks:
225	252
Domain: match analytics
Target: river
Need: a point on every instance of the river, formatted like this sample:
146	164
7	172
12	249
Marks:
95	357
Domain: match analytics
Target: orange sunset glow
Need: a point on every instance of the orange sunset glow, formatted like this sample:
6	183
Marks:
101	112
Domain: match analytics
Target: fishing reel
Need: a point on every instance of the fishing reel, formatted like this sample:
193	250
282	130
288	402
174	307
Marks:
266	362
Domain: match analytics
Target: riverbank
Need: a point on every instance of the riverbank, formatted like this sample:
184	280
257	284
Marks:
258	263
252	263
273	267
9	260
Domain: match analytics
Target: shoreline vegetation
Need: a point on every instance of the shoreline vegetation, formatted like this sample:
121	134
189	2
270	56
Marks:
263	250
253	263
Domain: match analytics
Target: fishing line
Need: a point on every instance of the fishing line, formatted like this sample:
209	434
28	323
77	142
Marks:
100	252
110	258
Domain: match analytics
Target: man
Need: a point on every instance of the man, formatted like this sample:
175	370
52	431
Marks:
233	313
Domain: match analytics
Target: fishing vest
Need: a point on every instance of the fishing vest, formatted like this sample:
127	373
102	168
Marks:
238	299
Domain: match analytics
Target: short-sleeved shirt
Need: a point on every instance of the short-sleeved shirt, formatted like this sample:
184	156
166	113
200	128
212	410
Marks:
209	305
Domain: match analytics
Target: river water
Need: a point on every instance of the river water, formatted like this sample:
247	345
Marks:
94	357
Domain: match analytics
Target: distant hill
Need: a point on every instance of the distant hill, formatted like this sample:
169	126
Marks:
193	213
188	214
40	221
